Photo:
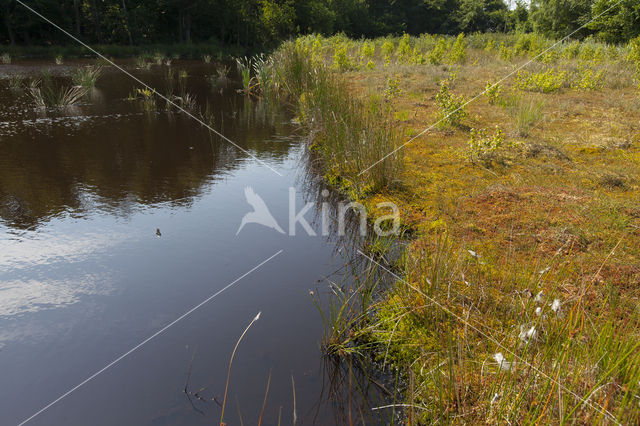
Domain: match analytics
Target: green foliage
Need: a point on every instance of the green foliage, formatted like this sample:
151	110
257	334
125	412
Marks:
615	20
278	18
417	57
505	53
452	107
387	51
548	81
244	65
86	76
588	79
571	50
458	53
393	87
368	50
341	59
5	58
493	92
316	50
254	24
558	18
437	54
486	147
634	52
529	45
404	49
343	126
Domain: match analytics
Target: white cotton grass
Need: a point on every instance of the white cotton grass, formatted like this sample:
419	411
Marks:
527	335
538	311
502	363
556	305
539	297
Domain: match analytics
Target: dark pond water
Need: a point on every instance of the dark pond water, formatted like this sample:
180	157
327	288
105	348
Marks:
84	278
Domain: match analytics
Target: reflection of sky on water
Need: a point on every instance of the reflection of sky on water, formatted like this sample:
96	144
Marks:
35	272
46	249
22	296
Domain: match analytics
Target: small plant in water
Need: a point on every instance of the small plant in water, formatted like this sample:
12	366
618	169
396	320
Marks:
86	76
223	71
50	95
141	62
245	65
159	58
147	97
262	69
59	60
5	58
206	59
186	101
15	81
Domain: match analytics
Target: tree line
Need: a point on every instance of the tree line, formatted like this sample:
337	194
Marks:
253	23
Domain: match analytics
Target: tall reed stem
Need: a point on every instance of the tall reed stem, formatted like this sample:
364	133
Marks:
233	354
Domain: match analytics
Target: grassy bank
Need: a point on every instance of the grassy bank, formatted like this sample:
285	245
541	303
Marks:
517	298
182	51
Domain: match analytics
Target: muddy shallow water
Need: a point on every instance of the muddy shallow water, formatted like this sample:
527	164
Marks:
84	277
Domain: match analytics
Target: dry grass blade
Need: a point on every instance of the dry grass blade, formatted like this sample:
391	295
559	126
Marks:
233	354
264	403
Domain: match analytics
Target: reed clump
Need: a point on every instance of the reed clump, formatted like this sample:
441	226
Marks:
354	137
86	76
50	93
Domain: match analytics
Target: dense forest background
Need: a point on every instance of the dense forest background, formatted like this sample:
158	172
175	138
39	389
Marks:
265	22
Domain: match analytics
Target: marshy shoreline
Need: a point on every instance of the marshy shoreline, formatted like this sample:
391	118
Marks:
513	159
516	297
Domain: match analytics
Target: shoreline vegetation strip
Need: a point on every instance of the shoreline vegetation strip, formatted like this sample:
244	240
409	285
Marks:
514	205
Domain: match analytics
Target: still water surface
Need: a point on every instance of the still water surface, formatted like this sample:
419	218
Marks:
84	277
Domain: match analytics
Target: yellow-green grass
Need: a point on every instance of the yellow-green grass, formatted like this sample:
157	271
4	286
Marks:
555	209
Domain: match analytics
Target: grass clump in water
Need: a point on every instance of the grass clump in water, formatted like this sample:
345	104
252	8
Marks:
353	136
15	81
50	95
86	76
